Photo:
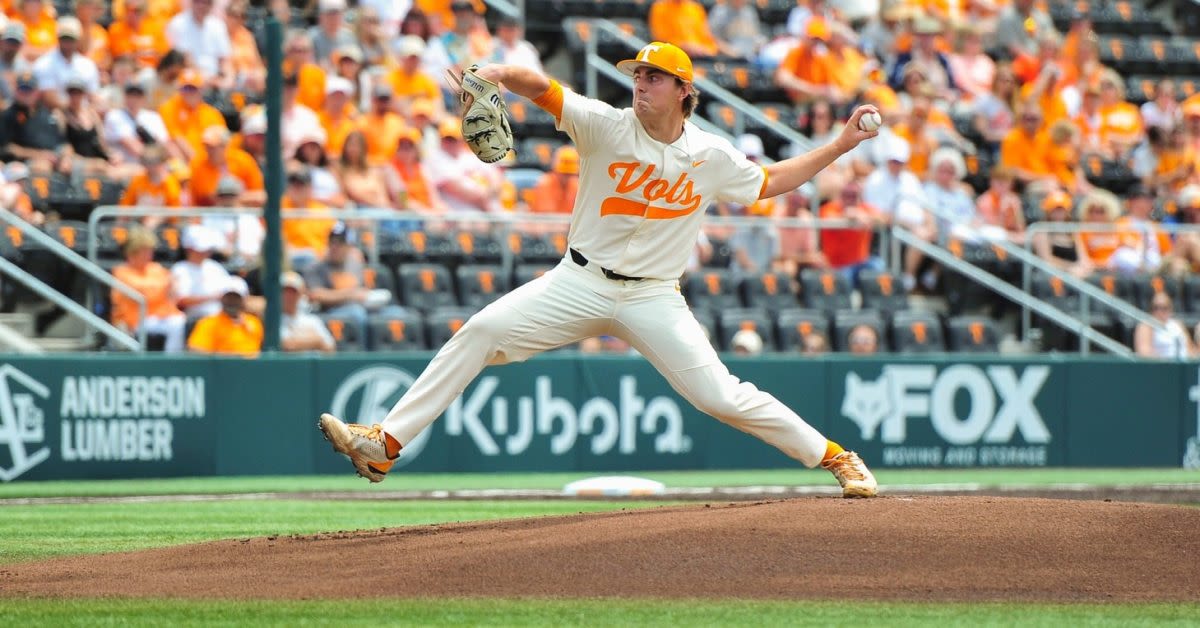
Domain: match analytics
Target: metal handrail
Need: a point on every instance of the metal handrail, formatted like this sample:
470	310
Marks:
69	304
1085	289
706	85
90	268
995	284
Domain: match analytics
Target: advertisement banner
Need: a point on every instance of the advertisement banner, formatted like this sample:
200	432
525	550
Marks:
956	414
104	417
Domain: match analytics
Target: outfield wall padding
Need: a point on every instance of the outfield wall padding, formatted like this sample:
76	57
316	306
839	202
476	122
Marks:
104	416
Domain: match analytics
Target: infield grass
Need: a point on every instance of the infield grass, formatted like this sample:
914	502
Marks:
401	481
620	612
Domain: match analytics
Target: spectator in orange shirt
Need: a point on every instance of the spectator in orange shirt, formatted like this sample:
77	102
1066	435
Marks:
218	159
94	41
363	183
999	206
138	36
419	192
153	282
245	62
41	27
1099	207
804	72
348	65
381	125
1143	244
153	188
306	237
299	60
849	250
1089	122
1121	121
916	130
555	191
233	330
408	81
1024	150
186	115
337	116
685	24
1064	156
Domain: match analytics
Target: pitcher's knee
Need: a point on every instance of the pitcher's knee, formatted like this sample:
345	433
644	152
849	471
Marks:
715	404
485	327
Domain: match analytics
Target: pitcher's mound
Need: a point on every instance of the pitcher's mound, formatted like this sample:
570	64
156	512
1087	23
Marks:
920	548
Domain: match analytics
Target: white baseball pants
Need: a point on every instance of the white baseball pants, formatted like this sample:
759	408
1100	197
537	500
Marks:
570	303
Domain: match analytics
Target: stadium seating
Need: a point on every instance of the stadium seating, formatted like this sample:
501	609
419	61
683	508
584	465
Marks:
794	324
845	321
379	276
425	287
346	333
479	285
882	291
1191	295
1146	286
397	332
972	334
771	291
476	248
734	320
444	322
824	290
526	273
917	332
713	290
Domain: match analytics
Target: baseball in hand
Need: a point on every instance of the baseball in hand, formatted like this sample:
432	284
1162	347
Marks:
870	121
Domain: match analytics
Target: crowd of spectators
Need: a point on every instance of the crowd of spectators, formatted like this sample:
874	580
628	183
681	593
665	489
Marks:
161	95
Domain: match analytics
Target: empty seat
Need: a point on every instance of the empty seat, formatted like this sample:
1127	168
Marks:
845	321
917	332
754	319
532	248
529	120
972	334
476	248
883	291
426	286
169	248
479	285
399	332
444	322
713	290
413	246
69	233
772	291
346	332
537	152
824	290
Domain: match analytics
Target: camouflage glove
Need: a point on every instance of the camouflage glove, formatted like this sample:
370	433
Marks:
484	121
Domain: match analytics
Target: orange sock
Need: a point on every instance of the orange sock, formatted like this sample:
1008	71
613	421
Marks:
391	445
831	449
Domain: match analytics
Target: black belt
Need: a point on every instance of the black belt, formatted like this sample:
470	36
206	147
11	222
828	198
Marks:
578	258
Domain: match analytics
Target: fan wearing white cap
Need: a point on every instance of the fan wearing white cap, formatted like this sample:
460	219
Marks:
197	280
131	127
409	82
896	192
57	67
337	114
231	330
646	174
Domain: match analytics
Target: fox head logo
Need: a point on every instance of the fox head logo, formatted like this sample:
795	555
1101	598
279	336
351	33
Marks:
867	403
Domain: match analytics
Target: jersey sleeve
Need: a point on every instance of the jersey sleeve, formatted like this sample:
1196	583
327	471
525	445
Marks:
590	123
744	181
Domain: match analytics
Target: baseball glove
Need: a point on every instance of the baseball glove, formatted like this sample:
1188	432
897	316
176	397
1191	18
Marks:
484	120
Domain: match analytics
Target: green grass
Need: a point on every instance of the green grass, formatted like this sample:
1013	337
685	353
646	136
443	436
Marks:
457	481
492	612
35	532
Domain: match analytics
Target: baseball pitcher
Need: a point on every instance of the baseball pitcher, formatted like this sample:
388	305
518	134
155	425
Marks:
646	175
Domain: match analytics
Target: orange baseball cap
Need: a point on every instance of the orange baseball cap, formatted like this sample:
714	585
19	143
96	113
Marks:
1057	200
817	29
450	129
666	57
190	78
566	160
410	134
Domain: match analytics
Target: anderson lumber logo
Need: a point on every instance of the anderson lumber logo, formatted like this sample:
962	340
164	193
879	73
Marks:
22	422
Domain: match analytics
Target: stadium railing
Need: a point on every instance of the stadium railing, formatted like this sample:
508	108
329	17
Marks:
84	265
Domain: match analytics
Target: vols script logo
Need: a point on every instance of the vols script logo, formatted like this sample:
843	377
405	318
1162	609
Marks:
884	406
368	394
633	177
22	422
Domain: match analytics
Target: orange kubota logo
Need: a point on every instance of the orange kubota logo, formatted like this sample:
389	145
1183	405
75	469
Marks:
631	176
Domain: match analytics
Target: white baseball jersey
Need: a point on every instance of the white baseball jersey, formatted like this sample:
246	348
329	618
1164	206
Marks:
641	202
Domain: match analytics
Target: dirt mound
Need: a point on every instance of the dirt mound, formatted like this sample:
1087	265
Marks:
919	548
